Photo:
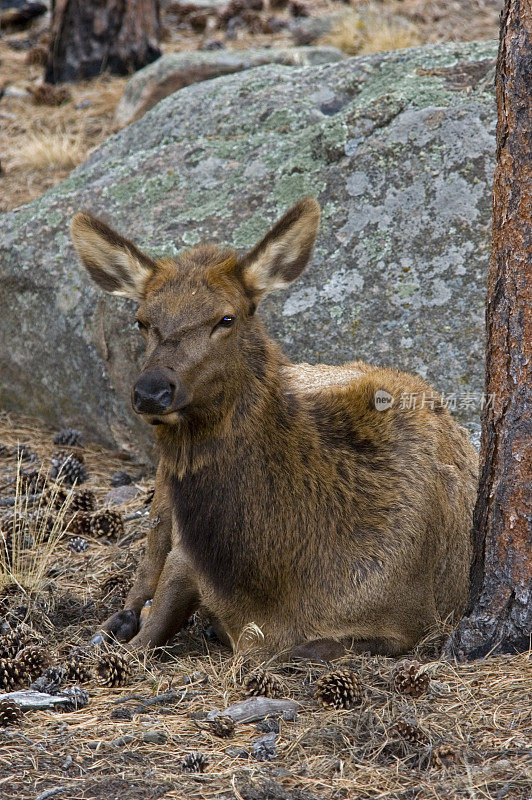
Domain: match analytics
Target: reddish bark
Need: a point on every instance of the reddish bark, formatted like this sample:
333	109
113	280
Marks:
90	37
499	618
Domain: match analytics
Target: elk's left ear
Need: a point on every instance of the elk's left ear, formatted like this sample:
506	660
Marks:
284	252
112	261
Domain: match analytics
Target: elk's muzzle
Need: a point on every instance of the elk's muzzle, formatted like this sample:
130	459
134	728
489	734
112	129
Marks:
155	392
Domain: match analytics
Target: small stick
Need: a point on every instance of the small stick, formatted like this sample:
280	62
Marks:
136	515
51	792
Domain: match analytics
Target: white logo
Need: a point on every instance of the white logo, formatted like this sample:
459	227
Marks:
383	400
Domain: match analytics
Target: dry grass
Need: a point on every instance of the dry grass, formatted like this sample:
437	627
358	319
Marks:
367	30
390	35
41	144
478	713
43	150
43	524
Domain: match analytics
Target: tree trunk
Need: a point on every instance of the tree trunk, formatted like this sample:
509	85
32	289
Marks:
91	36
499	617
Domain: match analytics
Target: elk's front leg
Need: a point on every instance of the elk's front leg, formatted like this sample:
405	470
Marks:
176	599
123	625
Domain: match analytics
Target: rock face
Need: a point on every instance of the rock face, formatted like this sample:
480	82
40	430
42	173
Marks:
399	150
175	70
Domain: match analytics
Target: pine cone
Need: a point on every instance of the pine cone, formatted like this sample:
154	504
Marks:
409	732
338	689
80	524
113	669
42	523
78	698
23	452
121	478
444	756
107	523
51	681
78	669
16	533
261	683
69	437
408	680
11	674
32	481
54	496
116	584
82	500
68	469
194	762
17	639
78	544
10	713
33	661
223	726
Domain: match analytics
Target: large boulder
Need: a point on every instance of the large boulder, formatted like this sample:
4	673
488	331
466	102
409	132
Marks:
173	71
397	147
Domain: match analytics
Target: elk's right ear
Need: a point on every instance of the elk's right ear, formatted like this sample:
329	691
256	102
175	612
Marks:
112	261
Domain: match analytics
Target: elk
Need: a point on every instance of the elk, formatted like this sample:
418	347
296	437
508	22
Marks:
284	495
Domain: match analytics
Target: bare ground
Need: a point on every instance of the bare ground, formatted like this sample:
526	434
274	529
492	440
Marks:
475	719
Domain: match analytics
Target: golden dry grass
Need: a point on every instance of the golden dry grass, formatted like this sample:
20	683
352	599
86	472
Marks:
43	150
479	713
368	30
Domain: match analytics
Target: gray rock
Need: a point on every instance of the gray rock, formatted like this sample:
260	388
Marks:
154	737
173	71
121	741
397	147
120	495
307	30
264	749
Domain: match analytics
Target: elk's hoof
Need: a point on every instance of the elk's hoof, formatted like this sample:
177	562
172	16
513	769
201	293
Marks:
122	626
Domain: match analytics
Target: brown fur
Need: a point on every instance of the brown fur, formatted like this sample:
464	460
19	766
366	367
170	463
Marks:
283	497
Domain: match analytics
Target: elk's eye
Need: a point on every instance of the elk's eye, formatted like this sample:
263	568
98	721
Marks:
226	322
141	325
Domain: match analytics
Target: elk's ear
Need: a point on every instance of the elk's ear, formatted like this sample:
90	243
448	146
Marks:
112	261
284	252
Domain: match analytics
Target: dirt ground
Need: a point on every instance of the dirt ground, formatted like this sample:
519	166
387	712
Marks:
472	726
41	144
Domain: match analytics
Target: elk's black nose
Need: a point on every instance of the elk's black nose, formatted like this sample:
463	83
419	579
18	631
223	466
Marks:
153	392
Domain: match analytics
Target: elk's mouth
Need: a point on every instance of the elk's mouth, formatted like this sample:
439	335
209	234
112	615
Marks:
171	418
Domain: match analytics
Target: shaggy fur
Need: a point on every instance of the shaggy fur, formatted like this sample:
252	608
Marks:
283	497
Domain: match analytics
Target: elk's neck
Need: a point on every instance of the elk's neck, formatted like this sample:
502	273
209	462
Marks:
227	488
255	401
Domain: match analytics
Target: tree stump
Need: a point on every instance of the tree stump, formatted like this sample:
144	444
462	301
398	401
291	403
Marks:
93	36
499	617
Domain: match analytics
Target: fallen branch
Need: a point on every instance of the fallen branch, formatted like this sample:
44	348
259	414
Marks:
254	709
29	700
